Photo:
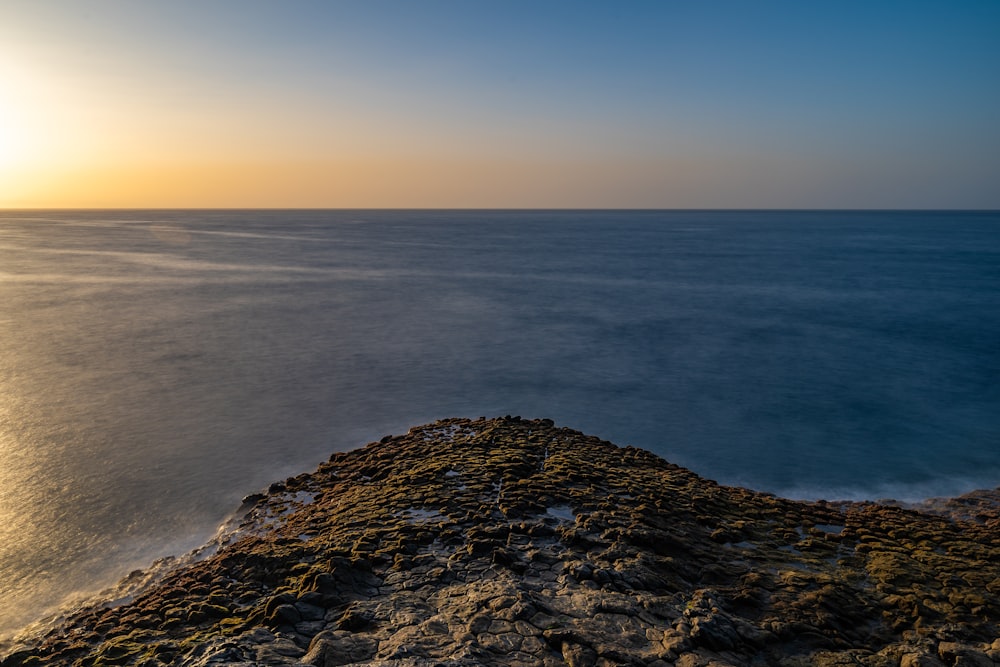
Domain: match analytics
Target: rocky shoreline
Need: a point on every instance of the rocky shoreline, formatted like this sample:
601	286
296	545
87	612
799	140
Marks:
514	542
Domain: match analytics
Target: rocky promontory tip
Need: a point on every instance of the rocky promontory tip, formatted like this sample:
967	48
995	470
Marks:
514	542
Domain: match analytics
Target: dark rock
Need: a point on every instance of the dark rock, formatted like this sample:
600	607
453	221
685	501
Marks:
285	614
319	582
356	620
576	655
253	498
309	612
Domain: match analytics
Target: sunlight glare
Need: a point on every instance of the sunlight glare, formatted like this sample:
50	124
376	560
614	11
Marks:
22	117
36	124
41	149
12	144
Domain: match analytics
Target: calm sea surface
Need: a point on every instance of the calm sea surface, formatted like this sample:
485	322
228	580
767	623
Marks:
156	367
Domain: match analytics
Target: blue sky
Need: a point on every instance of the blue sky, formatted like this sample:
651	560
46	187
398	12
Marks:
662	104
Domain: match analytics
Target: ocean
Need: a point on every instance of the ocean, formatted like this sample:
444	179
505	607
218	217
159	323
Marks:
157	366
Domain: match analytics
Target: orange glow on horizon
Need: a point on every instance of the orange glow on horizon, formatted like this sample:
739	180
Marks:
398	183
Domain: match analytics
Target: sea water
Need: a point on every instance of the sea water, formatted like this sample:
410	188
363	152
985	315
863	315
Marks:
155	367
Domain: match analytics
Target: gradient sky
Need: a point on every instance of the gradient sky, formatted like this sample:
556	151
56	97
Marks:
237	103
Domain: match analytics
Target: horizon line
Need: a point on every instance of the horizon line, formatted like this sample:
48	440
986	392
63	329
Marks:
495	208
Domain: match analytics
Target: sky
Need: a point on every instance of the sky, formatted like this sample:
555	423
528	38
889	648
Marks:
504	104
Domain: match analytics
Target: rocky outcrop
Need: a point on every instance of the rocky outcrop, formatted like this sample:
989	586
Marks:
513	542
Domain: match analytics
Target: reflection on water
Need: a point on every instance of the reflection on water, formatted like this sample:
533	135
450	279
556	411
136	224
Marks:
157	367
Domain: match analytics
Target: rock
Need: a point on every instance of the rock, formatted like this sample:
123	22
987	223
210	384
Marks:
576	655
329	649
356	620
309	612
285	614
962	655
513	542
920	660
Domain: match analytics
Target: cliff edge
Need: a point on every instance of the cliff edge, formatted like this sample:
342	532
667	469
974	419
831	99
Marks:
514	542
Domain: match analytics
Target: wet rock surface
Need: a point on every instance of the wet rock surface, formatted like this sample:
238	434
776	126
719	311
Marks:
513	542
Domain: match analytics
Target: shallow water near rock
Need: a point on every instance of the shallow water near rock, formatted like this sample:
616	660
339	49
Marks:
156	367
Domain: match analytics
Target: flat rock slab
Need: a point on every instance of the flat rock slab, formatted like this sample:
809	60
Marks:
514	542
